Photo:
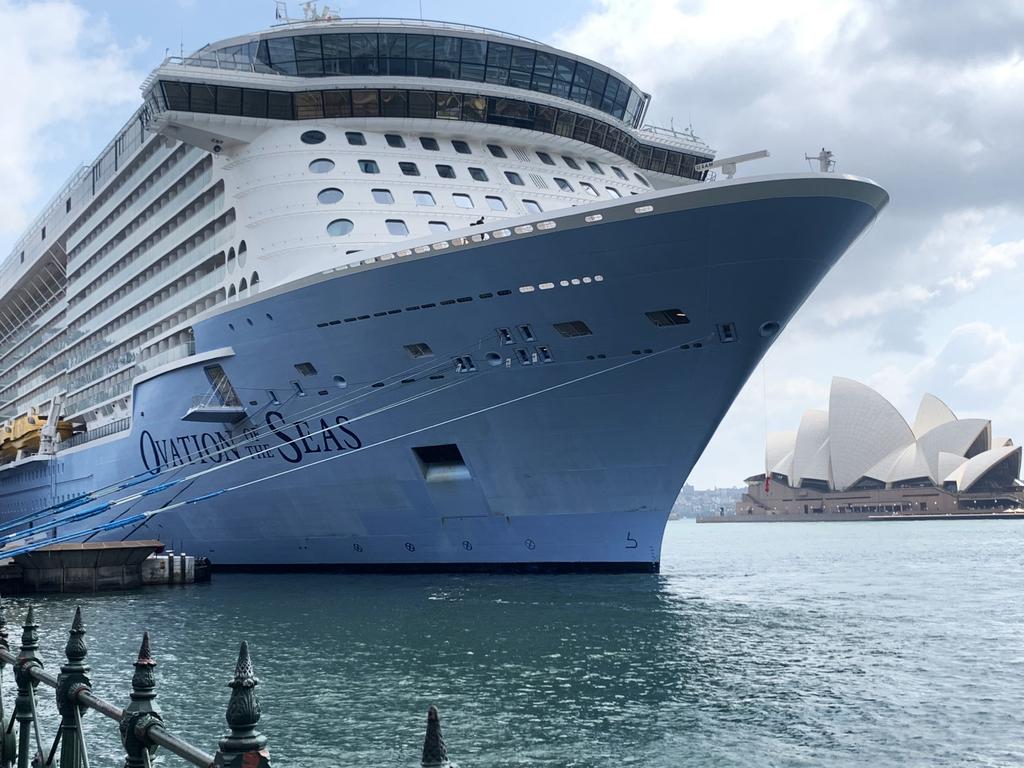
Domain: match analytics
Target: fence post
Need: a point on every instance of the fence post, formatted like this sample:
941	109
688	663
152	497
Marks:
142	713
73	679
244	747
7	751
23	708
435	753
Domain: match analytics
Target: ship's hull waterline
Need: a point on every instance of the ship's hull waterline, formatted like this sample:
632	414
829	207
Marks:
573	463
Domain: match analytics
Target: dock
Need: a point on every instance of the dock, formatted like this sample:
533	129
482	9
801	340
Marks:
99	566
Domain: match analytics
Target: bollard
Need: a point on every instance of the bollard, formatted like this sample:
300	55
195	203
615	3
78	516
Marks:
7	747
73	680
142	713
244	747
24	704
435	754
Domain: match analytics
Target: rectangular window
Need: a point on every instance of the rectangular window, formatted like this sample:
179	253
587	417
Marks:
496	203
571	163
418	350
394	140
355	138
383	196
595	167
564	185
463	201
545	158
589	189
464	364
526	332
726	332
423	198
514	178
369	166
496	150
397	227
306	369
409	169
478	174
439	226
445	171
573	328
461	147
532	206
664	317
394	103
429	143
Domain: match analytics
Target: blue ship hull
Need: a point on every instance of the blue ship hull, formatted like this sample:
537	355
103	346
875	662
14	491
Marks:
569	451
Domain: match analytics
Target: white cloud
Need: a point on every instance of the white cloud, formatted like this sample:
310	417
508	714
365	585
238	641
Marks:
62	66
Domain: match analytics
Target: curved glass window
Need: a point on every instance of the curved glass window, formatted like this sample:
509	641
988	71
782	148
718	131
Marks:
619	173
514	178
409	169
423	198
595	168
397	227
394	140
330	195
339	227
231	291
439	226
321	165
641	179
254	280
382	196
478	174
613	192
571	162
496	203
461	147
445	171
243	286
564	185
589	189
545	158
496	150
463	201
369	166
429	143
355	138
532	206
313	137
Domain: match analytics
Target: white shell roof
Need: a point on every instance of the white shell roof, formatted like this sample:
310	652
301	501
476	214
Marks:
864	428
906	463
953	437
809	461
778	446
972	470
931	413
949	463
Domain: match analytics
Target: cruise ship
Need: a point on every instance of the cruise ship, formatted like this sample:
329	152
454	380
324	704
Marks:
387	294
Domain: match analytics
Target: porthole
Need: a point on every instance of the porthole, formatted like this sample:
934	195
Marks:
339	381
339	227
330	195
321	165
768	329
313	137
493	359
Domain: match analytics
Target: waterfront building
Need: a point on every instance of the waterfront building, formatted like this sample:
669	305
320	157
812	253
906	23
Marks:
861	457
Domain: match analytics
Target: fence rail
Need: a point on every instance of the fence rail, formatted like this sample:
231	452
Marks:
140	724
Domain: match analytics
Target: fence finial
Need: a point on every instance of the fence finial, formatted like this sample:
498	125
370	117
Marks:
244	745
8	750
73	679
142	712
435	754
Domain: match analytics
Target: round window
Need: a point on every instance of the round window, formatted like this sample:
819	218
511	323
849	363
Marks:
313	137
330	195
339	227
321	165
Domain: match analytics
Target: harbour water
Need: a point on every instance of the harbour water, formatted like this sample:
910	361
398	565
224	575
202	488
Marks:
829	644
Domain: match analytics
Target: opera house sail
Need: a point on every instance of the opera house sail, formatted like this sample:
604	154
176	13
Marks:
387	294
862	457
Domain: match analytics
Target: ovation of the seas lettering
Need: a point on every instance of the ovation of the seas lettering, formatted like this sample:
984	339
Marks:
296	440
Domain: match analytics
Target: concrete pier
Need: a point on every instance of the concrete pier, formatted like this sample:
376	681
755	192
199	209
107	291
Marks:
98	566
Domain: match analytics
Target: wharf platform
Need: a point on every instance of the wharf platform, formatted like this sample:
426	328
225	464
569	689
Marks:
850	517
99	566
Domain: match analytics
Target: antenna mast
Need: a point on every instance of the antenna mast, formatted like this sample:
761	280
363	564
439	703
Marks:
826	161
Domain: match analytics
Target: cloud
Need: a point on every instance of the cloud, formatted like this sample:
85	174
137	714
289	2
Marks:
924	98
62	67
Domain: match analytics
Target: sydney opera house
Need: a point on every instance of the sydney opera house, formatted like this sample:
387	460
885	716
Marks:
862	458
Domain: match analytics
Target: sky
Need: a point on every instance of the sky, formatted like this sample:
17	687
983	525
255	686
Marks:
923	97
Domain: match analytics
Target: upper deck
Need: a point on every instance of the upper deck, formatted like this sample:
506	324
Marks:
429	49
